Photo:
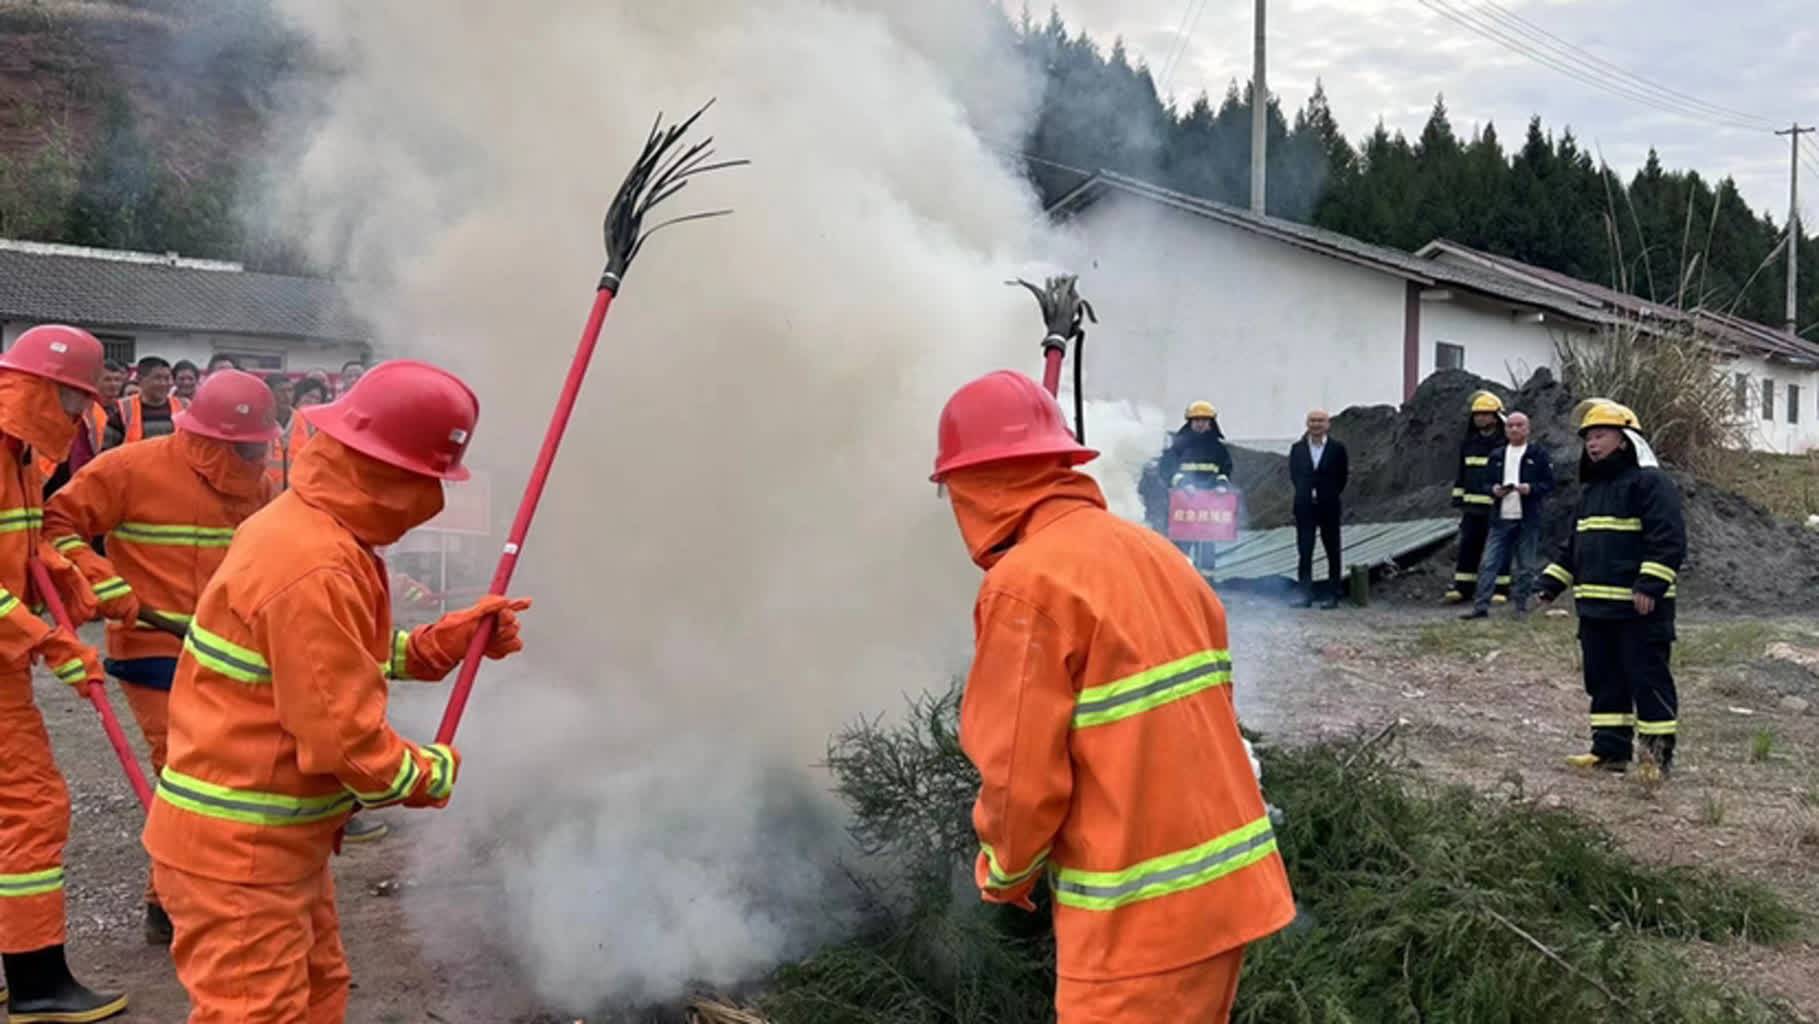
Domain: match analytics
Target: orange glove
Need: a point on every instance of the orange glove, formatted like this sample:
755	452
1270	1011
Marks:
68	658
443	643
78	597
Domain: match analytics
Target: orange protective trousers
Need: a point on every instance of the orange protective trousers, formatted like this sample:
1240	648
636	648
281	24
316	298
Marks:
152	710
34	822
256	954
1201	993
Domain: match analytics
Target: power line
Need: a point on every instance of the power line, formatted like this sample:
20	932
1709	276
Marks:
1182	45
1604	82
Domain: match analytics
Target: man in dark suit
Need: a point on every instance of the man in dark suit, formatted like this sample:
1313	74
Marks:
1319	467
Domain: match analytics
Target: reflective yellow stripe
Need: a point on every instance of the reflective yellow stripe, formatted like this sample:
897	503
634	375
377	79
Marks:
1657	728
71	671
1458	492
7	602
1558	572
1145	691
442	772
12	520
397	668
1465	577
1477	460
998	878
112	587
176	618
1610	523
228	659
180	535
1166	875
1200	467
1600	592
1613	721
402	783
1479	499
1659	571
249	807
31	883
69	542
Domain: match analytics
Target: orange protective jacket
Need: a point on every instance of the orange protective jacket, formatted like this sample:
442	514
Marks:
168	507
278	710
132	416
94	420
1099	713
32	423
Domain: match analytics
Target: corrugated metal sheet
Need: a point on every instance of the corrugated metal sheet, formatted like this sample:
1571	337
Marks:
1266	553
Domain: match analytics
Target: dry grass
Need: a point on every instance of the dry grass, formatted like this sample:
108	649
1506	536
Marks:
1787	485
1675	381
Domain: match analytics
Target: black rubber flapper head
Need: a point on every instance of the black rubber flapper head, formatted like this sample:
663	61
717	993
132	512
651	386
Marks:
1064	312
661	171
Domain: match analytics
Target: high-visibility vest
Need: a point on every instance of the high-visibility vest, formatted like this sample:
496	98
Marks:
94	420
132	416
285	449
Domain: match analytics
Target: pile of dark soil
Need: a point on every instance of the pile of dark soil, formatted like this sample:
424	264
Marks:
1740	556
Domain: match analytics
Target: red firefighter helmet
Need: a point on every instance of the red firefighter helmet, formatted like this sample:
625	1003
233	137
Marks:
68	355
407	414
1002	416
231	405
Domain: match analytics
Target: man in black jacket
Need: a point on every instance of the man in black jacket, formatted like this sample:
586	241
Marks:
1622	561
1319	468
1525	476
1472	487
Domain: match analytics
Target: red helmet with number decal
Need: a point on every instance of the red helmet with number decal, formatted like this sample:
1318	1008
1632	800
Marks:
231	405
407	414
68	355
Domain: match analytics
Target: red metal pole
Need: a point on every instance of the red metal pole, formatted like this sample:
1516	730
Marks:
97	694
527	507
1051	369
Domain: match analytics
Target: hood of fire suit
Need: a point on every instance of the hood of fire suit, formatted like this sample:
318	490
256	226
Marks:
377	503
220	467
31	411
995	504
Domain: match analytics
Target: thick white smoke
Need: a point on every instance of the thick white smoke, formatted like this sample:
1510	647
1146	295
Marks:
740	550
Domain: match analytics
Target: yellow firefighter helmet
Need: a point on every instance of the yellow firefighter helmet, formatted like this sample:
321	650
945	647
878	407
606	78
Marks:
1202	411
1485	401
1608	414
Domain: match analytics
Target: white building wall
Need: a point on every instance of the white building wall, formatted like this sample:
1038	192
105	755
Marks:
259	354
1790	423
1265	331
1500	344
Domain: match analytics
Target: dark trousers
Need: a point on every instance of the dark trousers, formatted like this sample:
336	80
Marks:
1474	531
1628	677
1511	552
1324	517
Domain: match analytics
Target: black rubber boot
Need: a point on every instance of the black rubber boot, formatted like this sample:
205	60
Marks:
44	993
158	930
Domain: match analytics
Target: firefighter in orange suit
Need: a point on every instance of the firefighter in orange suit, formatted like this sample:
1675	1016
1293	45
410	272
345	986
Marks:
48	379
168	507
278	711
1099	714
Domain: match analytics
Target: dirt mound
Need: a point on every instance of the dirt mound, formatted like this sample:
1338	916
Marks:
1740	556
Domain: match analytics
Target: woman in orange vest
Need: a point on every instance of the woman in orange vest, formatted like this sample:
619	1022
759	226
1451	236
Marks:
168	508
1099	714
278	713
47	378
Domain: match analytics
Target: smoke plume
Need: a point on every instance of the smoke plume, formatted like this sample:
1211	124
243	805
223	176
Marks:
739	550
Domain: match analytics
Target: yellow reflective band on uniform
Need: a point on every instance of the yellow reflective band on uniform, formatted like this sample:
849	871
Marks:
1200	467
1659	571
12	520
1465	577
175	618
1610	523
247	806
402	783
228	659
1458	492
71	671
1657	728
175	535
7	602
442	772
1503	581
112	587
1145	691
1477	460
1479	499
69	542
1600	592
31	883
1166	875
1613	721
998	878
401	645
1557	571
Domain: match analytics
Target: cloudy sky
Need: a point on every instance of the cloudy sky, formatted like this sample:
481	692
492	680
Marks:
1389	58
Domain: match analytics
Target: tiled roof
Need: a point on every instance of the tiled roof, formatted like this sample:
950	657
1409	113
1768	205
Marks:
94	288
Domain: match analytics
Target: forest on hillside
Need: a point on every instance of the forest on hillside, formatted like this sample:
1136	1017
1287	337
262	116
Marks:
1676	236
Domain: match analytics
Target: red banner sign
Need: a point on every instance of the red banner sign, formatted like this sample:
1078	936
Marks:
1202	515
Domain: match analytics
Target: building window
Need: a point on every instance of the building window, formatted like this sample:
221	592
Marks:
119	347
1743	394
1793	403
255	362
1448	356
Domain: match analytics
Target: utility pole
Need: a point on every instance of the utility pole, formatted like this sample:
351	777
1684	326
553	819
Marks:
1793	225
1260	101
